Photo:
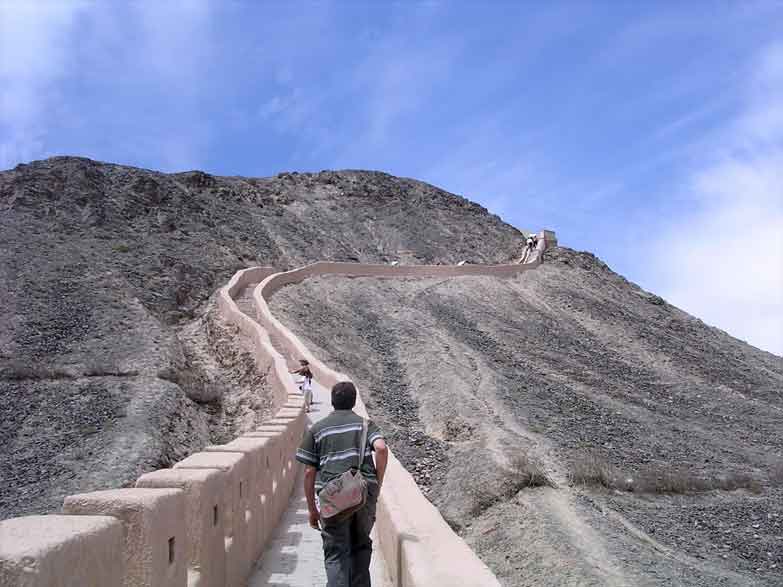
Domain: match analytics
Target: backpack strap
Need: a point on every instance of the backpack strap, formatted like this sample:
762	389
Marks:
363	444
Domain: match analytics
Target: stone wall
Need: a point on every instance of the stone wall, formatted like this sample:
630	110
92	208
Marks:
203	522
206	521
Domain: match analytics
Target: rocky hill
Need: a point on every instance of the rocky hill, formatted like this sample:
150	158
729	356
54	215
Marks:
107	345
575	429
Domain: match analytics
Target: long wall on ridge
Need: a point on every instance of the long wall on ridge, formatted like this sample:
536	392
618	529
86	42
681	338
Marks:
206	521
418	547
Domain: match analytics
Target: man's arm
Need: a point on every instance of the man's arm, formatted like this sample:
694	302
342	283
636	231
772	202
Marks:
307	454
309	490
381	459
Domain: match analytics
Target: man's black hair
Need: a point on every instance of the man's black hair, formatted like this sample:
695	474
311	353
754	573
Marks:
343	395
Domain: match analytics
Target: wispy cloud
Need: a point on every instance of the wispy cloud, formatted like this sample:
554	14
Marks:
591	119
398	77
175	40
138	51
34	47
681	123
725	261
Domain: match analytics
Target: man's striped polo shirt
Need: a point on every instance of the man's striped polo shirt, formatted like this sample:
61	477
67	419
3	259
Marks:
332	446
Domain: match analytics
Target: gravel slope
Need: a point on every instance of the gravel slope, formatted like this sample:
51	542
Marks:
567	364
112	363
108	364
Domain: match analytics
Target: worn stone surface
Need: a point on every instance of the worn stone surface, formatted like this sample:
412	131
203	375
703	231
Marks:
564	362
153	523
61	551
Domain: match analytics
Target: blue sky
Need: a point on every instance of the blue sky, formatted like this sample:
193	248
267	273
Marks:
648	133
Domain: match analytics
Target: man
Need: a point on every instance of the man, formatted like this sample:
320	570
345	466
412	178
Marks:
329	449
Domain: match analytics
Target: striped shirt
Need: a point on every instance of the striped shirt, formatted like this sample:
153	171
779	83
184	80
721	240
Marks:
332	446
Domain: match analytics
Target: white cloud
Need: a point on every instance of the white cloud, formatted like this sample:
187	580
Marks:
34	39
724	263
763	123
399	79
174	43
686	120
134	53
294	111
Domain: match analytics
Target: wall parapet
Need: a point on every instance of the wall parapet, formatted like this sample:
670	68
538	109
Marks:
419	548
207	520
202	523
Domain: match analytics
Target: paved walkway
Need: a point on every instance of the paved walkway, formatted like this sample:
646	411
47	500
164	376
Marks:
294	557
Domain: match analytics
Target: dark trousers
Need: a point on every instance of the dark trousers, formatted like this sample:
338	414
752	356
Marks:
348	547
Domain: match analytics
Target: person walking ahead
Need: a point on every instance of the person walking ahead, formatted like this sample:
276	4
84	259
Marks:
306	384
329	449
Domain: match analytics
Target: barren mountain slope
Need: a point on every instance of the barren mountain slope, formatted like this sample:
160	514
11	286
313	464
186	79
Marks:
662	437
110	361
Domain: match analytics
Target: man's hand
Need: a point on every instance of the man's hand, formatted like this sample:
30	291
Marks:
309	491
381	459
315	517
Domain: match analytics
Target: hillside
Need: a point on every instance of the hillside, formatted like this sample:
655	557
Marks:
107	343
572	427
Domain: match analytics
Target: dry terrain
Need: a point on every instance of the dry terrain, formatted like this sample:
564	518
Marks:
575	429
111	361
567	423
